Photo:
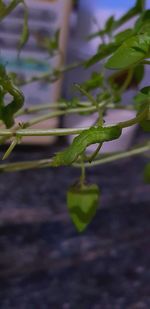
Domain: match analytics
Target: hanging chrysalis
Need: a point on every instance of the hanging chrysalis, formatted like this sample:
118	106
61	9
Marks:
82	202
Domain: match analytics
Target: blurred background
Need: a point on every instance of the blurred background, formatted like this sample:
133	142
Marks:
44	262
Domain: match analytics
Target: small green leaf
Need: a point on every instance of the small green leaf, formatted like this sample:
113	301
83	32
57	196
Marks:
103	96
104	51
130	53
2	8
143	22
51	44
123	35
142	98
6	86
7	9
137	9
110	23
82	203
147	174
94	82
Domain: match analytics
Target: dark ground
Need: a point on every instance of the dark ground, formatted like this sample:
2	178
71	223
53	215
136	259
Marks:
45	264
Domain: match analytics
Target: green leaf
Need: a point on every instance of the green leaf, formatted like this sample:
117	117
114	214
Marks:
2	8
147	174
123	35
143	23
142	97
137	9
51	44
6	86
103	96
94	82
82	203
141	100
109	24
104	51
130	53
7	9
112	24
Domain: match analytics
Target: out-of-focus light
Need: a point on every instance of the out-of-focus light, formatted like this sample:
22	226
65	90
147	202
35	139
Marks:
111	4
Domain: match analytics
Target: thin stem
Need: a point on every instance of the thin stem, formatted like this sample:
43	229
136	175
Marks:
12	167
36	132
47	116
82	177
95	153
115	157
118	23
21	166
146	62
51	106
56	114
51	77
68	131
93	101
43	118
42	107
65	112
39	108
135	120
10	149
127	81
127	16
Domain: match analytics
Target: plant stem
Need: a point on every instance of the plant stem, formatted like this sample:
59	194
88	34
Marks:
146	62
51	106
6	133
127	81
115	157
82	177
51	77
12	167
38	132
95	153
62	106
21	166
42	107
10	149
62	132
58	113
93	101
127	16
135	120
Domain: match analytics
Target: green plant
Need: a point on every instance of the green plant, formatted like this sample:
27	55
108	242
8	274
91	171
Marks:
126	52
